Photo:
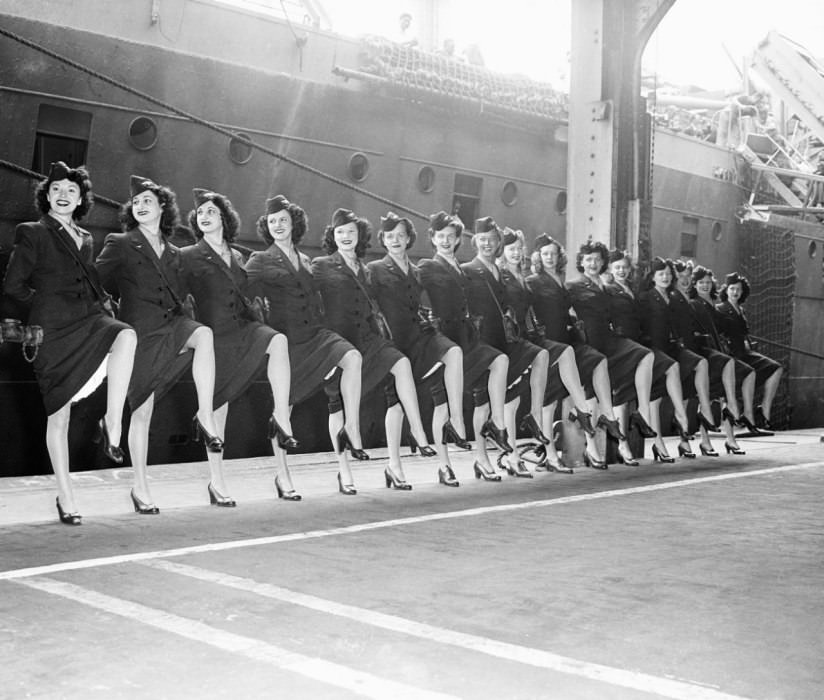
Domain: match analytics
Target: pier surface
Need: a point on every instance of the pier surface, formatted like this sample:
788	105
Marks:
701	580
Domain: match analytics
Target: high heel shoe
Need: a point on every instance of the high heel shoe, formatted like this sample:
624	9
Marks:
451	435
629	461
285	441
519	470
213	443
636	419
530	425
393	481
498	435
113	452
447	477
141	507
291	495
761	420
584	420
726	414
425	450
663	457
346	489
68	518
559	466
685	452
344	441
733	450
683	433
481	473
702	420
611	426
708	451
594	463
745	422
217	500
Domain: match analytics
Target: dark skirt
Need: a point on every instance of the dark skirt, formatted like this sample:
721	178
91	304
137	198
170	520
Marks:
660	366
587	358
717	361
240	356
426	352
687	362
160	361
623	356
555	389
69	357
312	361
379	356
764	366
521	355
742	371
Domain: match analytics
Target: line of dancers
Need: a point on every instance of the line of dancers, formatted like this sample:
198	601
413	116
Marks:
496	330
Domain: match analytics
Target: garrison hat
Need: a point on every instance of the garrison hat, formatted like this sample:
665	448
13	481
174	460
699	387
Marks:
276	204
138	184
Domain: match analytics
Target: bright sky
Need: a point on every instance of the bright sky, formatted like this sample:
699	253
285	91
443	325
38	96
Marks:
532	36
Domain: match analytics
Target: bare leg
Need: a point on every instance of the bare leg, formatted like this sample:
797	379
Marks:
393	423
728	380
622	413
655	423
350	391
729	434
770	390
335	424
479	416
454	383
571	379
547	422
57	443
705	438
748	396
280	379
203	374
537	384
118	373
677	397
139	447
643	384
510	409
591	442
702	387
405	386
282	475
496	386
216	458
440	414
603	389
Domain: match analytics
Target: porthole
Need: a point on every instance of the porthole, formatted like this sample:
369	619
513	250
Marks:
812	249
143	133
239	150
509	194
561	202
717	231
358	167
426	179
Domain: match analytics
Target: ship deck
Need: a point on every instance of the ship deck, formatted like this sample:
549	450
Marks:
696	580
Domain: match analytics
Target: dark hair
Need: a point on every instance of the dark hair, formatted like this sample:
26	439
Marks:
230	218
590	248
439	221
169	217
78	175
656	265
364	236
544	240
299	224
735	278
390	222
699	273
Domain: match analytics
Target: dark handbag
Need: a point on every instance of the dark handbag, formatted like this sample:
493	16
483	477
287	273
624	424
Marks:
110	306
535	331
379	323
577	333
512	331
428	322
187	307
258	309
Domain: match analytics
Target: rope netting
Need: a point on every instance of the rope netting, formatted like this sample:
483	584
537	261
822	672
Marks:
768	262
451	77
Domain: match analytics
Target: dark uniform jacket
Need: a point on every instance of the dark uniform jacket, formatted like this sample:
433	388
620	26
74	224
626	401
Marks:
591	305
625	312
734	326
448	294
399	297
684	324
705	318
551	302
150	289
656	321
487	298
293	294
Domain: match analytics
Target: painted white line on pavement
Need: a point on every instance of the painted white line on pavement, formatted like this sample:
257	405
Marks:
396	522
665	687
316	669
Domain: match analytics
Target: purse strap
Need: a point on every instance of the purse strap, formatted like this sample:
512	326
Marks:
159	268
101	294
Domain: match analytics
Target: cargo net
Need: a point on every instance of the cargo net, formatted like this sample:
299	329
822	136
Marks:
769	265
450	77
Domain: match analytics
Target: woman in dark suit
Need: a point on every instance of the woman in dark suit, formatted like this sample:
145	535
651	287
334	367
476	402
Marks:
143	269
215	276
629	364
318	357
484	367
660	306
51	271
437	362
733	372
348	299
563	378
528	363
552	304
626	312
733	324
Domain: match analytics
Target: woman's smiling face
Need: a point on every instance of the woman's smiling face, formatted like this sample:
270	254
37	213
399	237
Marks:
63	196
346	237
